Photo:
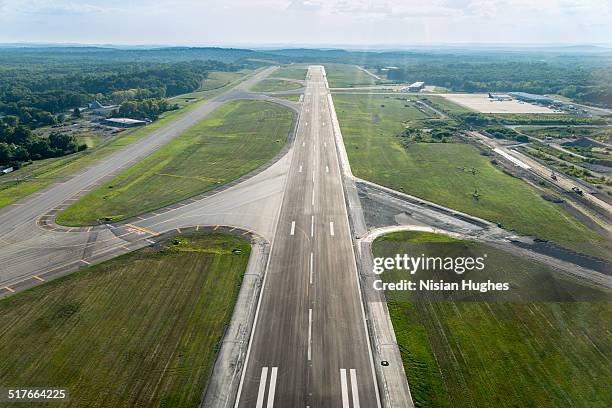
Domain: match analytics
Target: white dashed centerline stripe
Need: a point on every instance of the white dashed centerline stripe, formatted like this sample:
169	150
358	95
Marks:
262	387
309	334
303	144
331	228
311	267
313	176
354	389
312	226
345	397
272	387
292	227
300	169
313	197
327	169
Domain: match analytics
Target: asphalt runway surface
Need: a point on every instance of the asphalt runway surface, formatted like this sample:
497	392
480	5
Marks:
310	347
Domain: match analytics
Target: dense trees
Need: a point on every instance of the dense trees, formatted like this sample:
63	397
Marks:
18	144
36	93
149	108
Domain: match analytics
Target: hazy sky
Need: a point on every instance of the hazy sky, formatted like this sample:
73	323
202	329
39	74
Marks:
300	22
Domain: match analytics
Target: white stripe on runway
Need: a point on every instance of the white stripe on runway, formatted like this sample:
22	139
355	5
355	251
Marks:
313	176
354	389
311	266
326	169
312	226
303	144
272	387
262	387
345	397
309	334
313	197
331	228
292	227
300	170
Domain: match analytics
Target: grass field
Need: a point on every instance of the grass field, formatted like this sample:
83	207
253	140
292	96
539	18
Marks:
219	79
292	98
237	138
449	173
293	72
275	85
347	76
41	173
139	330
525	353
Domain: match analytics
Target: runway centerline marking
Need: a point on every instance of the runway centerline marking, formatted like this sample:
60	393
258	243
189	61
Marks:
345	398
312	225
327	169
300	169
311	273
292	228
313	176
331	228
313	195
303	144
309	334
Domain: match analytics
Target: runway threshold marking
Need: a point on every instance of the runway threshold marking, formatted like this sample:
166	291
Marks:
309	334
354	388
331	228
262	387
292	228
263	379
344	387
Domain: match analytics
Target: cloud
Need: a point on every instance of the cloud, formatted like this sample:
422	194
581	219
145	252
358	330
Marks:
54	7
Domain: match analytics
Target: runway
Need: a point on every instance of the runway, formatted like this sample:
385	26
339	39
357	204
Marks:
309	346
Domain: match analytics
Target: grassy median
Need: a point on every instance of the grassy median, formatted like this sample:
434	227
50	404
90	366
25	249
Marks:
140	330
291	71
450	173
528	352
347	76
237	138
275	85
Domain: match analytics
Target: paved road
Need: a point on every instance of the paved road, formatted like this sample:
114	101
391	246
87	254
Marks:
310	346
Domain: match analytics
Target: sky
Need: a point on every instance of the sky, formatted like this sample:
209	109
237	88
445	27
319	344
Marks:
358	23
